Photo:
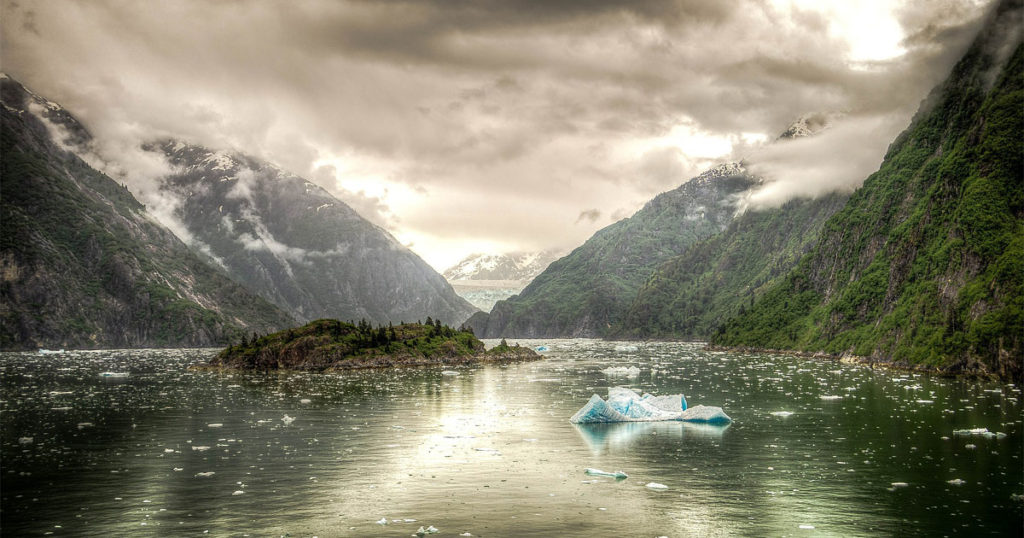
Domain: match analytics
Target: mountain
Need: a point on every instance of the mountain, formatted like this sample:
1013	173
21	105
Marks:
924	266
485	279
513	266
585	292
84	265
297	246
691	295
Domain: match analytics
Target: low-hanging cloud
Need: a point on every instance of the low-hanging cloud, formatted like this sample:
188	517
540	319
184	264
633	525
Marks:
506	119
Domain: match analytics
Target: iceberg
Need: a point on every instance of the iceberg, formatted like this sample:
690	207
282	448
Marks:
625	405
618	475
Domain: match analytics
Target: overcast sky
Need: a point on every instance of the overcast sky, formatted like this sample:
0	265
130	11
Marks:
497	125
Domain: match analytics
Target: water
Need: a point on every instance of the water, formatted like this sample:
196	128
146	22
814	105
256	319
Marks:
166	451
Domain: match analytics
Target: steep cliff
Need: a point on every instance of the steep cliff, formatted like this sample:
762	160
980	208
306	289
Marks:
84	265
924	266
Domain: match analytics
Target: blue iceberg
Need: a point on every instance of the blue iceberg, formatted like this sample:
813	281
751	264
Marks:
626	405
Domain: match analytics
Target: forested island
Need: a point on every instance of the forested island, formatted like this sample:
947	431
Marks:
327	344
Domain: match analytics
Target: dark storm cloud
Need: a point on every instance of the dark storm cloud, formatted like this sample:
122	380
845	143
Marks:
544	109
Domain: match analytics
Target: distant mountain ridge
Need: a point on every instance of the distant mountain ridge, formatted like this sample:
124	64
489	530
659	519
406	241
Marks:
84	265
512	266
924	266
584	293
296	245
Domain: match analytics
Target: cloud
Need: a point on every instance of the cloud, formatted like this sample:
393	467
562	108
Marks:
492	122
589	215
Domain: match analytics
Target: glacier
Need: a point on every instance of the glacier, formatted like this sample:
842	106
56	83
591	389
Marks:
626	405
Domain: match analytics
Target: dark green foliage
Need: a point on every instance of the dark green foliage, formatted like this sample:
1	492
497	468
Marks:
329	343
924	264
83	266
691	295
585	292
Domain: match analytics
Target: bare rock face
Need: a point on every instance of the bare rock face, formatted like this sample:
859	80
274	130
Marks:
83	265
297	246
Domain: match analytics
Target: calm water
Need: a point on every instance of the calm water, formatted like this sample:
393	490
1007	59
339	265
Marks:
167	451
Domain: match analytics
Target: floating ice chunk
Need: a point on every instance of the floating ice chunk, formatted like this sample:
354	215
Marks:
206	474
618	475
382	521
705	413
807	527
449	372
655	485
25	440
541	348
900	484
625	405
782	413
626	347
465	534
628	371
201	448
238	492
972	431
178	469
215	425
113	374
831	397
305	401
84	425
287	420
429	530
956	482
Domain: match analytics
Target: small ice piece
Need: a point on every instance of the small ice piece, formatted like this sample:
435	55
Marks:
113	374
900	484
178	469
449	372
972	431
465	534
628	371
84	425
626	348
168	450
382	521
206	474
831	397
201	448
807	527
238	492
24	440
970	446
287	420
705	413
618	475
541	348
782	413
429	530
215	425
956	482
655	485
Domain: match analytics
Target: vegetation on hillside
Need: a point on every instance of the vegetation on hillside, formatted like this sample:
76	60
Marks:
925	264
691	295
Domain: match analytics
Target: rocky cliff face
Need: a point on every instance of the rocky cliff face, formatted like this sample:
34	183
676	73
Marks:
297	246
585	293
923	267
83	265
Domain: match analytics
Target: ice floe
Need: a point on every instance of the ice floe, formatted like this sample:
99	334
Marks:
626	405
618	475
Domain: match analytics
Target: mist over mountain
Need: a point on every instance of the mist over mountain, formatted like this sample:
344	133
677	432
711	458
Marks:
296	245
923	266
84	265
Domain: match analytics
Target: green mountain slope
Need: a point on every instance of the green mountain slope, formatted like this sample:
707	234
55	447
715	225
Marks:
691	295
83	265
925	264
585	292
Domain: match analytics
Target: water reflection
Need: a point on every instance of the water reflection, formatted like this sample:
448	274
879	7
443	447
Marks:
606	438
